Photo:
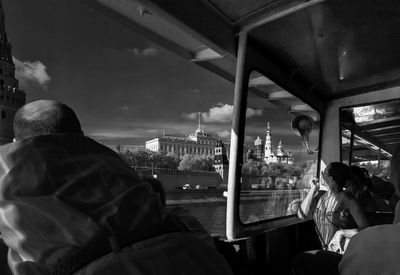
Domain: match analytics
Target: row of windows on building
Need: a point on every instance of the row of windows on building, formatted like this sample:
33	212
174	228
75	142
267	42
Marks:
207	142
12	99
8	73
9	88
186	149
203	142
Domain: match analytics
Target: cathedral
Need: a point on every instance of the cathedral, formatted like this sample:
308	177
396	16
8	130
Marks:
263	150
11	98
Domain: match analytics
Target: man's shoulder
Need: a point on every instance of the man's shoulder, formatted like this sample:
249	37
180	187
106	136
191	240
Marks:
378	231
373	251
376	236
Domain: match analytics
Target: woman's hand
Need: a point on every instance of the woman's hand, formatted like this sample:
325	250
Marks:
341	239
337	244
314	185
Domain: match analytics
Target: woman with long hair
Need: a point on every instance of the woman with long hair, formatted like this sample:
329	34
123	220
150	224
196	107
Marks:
337	214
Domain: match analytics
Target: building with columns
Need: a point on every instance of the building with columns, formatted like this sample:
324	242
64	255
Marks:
197	143
11	98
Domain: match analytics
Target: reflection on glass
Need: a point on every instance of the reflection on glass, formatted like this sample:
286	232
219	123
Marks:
279	160
375	130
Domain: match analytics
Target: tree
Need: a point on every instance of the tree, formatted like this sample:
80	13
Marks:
250	168
196	163
145	158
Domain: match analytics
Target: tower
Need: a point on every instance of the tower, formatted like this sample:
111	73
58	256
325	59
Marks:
221	164
280	150
259	148
11	98
268	146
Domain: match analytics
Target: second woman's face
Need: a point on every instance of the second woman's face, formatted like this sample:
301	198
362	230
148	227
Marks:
327	180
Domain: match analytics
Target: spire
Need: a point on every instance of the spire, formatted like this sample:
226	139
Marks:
8	83
199	120
5	46
199	130
268	145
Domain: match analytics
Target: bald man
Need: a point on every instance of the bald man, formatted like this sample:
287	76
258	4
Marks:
69	205
45	117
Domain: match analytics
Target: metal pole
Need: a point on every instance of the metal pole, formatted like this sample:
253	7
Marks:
237	132
379	160
351	145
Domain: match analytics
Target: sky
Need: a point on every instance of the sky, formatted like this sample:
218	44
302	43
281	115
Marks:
124	88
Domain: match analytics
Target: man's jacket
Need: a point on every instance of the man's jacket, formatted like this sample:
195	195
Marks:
69	205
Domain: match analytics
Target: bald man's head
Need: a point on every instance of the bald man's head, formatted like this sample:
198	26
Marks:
45	117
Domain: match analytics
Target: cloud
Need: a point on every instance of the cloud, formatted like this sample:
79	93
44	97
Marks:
253	112
194	91
124	108
31	72
112	133
221	113
224	134
149	51
191	116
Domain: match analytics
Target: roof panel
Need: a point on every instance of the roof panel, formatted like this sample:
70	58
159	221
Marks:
338	44
236	9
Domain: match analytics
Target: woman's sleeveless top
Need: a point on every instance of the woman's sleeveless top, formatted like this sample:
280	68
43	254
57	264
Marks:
330	215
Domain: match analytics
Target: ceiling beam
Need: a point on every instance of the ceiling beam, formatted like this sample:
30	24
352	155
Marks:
260	81
280	95
300	108
271	13
381	124
198	19
205	54
368	137
378	120
385	131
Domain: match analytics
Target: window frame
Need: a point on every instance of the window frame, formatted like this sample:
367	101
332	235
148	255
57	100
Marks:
249	60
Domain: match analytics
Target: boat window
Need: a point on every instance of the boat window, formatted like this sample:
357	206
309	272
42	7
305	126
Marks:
280	151
163	114
370	133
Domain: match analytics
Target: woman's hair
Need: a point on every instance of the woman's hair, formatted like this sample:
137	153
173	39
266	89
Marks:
339	172
357	177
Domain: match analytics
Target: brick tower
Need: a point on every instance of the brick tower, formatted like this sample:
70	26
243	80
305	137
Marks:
11	98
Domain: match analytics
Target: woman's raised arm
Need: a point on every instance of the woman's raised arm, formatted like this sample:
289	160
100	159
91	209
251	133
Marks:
307	206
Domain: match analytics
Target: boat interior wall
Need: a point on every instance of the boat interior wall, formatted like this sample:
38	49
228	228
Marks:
269	252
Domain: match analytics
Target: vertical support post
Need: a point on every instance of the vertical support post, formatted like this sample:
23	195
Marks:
379	160
237	137
351	145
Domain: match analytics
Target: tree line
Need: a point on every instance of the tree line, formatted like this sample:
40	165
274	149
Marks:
142	157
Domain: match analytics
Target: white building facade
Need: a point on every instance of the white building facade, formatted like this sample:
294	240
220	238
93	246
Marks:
197	143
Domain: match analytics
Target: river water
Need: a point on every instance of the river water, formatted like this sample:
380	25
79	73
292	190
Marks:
254	206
